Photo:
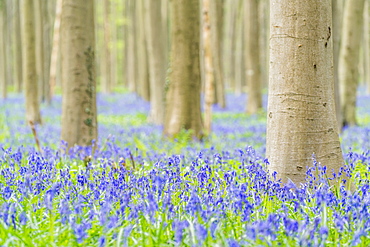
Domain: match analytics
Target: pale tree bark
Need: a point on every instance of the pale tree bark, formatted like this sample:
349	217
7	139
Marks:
367	45
55	51
33	115
142	71
208	66
183	96
156	57
264	20
9	42
79	116
3	77
238	38
113	46
47	34
130	40
349	59
40	48
301	108
337	30
252	57
216	19
17	53
231	7
106	59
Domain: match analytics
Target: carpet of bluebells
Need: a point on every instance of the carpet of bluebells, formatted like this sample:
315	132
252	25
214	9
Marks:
140	189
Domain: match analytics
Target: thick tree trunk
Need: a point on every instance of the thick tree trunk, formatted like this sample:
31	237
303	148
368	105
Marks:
349	59
183	102
252	58
79	116
33	115
301	108
17	53
208	28
156	57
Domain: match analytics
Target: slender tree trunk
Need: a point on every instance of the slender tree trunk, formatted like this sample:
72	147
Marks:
33	115
55	48
79	116
239	50
208	65
183	102
156	57
39	48
349	59
106	80
252	51
367	46
17	53
228	44
9	42
3	77
131	57
301	108
113	46
216	13
47	34
264	19
337	30
142	53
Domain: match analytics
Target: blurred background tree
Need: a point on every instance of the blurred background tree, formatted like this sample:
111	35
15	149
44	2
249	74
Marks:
133	45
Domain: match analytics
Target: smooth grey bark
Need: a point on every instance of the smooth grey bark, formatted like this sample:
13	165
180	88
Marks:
349	59
252	57
337	30
183	96
79	115
156	56
17	53
301	118
33	115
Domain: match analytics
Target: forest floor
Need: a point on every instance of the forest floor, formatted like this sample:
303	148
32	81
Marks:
141	189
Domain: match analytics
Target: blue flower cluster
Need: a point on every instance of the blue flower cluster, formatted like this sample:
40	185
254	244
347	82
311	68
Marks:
140	190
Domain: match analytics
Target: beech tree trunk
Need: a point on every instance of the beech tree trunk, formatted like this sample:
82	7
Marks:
55	51
33	115
252	58
17	53
142	71
208	28
216	19
349	59
301	119
156	57
3	77
183	99
337	30
367	45
79	116
40	48
106	75
131	62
